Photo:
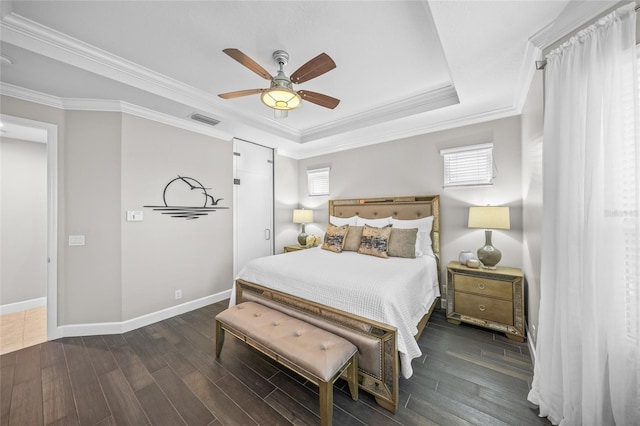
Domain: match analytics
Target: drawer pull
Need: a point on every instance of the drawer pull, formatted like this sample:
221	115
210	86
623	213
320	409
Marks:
482	308
481	286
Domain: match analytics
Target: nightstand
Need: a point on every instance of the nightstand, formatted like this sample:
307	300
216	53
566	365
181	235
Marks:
294	247
491	298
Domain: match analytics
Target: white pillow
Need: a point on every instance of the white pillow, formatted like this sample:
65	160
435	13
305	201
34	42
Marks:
341	221
423	240
376	223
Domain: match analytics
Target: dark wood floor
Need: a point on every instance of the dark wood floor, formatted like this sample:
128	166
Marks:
167	374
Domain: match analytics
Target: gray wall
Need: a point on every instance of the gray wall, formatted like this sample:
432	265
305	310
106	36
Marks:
23	220
38	112
109	163
413	166
162	254
92	290
532	128
286	199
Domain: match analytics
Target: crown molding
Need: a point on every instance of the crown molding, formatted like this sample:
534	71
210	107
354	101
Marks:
38	38
423	102
406	132
30	95
51	43
575	14
54	44
99	105
102	105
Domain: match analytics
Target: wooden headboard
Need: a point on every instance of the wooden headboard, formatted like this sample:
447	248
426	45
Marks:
409	207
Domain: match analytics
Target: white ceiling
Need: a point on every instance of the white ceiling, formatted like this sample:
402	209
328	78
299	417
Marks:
403	67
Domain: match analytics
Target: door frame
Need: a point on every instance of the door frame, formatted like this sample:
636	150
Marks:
53	331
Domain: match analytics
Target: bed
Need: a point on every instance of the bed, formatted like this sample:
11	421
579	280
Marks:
381	305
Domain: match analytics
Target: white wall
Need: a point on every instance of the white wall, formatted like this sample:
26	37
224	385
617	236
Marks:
532	128
413	166
23	220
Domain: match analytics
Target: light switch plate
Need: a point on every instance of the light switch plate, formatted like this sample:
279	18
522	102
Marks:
76	240
134	216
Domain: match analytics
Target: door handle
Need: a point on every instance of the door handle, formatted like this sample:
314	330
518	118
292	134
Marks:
267	234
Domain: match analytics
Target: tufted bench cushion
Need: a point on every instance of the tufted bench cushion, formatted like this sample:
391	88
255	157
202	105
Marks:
314	353
369	348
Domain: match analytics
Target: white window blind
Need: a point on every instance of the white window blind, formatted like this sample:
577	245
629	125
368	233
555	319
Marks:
468	165
318	181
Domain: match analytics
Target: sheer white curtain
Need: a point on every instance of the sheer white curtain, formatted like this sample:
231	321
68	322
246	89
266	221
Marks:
588	356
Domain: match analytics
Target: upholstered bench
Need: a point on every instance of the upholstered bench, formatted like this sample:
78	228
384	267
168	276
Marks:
317	355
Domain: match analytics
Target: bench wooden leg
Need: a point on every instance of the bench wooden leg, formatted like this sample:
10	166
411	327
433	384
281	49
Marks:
326	403
352	377
219	338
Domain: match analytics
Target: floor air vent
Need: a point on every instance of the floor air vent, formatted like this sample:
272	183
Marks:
204	119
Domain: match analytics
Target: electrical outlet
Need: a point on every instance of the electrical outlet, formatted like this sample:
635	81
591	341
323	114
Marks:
178	294
443	303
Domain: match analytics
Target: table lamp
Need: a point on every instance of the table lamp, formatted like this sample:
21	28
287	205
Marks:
303	217
489	217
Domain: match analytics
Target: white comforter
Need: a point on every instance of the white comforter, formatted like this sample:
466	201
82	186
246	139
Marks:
394	291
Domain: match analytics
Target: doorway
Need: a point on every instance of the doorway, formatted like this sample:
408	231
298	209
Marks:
46	134
252	202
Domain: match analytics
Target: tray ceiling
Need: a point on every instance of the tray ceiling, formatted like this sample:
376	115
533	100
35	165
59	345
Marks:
403	67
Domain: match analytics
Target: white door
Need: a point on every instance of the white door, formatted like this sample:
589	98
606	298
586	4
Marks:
252	202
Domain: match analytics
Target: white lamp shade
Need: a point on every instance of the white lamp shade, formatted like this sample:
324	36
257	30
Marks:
281	98
489	217
302	216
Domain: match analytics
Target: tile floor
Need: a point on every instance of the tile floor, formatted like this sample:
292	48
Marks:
22	329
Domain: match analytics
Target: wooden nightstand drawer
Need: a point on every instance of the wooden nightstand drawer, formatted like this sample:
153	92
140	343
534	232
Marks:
491	298
484	308
484	286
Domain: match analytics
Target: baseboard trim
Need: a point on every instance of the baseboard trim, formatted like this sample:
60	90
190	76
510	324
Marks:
74	330
10	308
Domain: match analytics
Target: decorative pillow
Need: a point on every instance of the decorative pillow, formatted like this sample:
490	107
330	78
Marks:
334	237
375	241
352	241
340	221
378	223
402	242
423	240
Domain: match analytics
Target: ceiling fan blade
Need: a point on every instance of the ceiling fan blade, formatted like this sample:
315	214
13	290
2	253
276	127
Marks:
319	99
248	62
314	68
237	94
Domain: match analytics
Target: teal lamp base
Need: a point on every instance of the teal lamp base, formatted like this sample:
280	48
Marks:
489	255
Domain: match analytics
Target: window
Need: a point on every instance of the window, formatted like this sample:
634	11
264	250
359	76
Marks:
318	181
468	165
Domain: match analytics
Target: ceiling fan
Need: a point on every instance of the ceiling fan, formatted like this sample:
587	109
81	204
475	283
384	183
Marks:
281	96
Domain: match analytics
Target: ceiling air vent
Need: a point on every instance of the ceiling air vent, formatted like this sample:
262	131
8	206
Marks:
204	119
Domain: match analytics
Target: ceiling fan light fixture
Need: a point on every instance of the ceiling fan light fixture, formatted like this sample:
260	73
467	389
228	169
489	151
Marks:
281	98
